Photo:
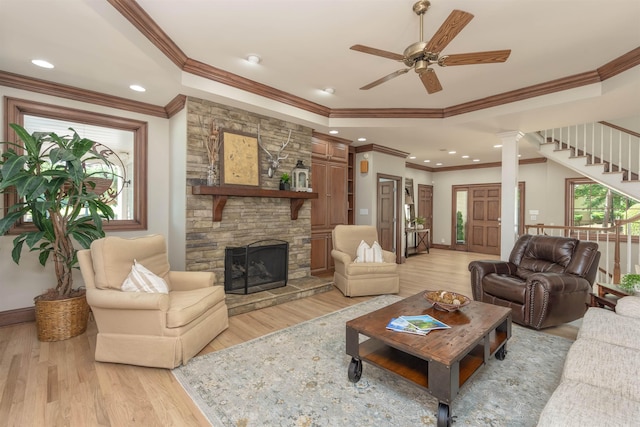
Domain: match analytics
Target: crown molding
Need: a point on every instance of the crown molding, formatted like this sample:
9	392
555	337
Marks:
145	24
140	19
216	74
175	105
620	64
419	167
489	165
381	149
330	138
69	92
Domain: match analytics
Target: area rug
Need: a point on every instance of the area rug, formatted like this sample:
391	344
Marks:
298	377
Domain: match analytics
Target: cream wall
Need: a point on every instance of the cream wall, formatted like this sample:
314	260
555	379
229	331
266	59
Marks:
19	284
366	183
544	191
178	173
166	196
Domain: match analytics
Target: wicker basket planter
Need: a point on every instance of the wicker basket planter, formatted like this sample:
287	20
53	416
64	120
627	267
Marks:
61	319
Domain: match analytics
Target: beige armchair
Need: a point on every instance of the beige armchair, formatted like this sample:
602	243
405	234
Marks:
149	329
362	278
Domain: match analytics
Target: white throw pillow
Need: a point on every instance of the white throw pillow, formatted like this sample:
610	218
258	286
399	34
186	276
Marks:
366	253
142	280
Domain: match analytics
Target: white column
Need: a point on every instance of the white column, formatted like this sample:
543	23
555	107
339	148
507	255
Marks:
509	192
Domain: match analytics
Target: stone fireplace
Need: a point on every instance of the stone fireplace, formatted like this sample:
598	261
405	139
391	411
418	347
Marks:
245	219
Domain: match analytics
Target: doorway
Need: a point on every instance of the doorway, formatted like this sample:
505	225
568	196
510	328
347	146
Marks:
388	203
476	210
425	210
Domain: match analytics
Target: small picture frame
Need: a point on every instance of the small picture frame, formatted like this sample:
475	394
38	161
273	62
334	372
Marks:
239	159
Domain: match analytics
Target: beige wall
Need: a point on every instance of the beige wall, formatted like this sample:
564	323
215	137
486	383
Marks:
19	284
166	196
544	190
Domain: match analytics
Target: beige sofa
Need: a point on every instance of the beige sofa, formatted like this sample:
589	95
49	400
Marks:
149	329
599	384
362	278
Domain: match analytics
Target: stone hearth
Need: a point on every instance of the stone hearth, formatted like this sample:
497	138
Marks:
295	289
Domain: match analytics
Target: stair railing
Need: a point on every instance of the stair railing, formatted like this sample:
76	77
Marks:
617	149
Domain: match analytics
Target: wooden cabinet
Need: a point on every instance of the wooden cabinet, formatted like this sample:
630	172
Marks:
330	179
321	260
327	147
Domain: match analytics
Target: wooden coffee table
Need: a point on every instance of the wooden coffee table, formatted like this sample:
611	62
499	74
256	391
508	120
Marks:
440	362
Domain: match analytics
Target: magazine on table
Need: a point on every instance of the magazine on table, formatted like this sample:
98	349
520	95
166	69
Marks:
398	324
420	324
424	322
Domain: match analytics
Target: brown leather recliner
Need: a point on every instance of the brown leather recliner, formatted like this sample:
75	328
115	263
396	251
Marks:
546	282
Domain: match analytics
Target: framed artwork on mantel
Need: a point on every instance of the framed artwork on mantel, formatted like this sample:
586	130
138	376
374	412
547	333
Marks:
240	159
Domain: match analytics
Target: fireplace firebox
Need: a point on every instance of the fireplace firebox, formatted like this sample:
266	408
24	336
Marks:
258	266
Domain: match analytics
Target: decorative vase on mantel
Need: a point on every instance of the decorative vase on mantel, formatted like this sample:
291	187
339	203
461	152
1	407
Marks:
212	175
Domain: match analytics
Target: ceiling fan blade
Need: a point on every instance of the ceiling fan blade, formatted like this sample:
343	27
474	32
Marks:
385	78
488	57
430	81
450	28
377	52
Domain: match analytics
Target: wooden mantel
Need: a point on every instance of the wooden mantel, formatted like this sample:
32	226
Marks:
221	193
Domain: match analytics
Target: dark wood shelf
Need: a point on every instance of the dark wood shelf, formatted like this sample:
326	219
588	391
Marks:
221	193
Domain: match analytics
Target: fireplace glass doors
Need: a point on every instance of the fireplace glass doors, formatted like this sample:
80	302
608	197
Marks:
258	266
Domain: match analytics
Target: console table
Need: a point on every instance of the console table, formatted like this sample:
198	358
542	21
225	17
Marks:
418	236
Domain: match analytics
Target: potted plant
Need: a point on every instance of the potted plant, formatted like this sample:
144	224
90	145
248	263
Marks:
420	220
630	283
55	181
285	181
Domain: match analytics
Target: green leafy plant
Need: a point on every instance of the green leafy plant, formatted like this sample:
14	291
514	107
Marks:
629	282
55	187
459	227
285	178
420	220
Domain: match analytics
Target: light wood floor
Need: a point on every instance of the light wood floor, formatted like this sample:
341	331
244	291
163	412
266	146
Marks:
60	384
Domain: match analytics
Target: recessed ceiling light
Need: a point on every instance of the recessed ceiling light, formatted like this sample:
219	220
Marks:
426	161
329	90
333	132
361	139
42	63
476	160
412	157
254	59
439	164
137	88
465	157
452	152
497	146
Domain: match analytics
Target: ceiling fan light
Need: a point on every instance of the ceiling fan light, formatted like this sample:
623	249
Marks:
421	66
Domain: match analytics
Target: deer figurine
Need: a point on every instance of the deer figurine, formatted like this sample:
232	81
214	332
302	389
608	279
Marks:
274	162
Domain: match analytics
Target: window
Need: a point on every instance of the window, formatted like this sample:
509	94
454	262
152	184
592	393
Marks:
596	206
126	138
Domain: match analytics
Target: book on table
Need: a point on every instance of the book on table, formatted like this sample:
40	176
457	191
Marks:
420	324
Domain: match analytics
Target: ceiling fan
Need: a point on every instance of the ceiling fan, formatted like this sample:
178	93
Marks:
421	55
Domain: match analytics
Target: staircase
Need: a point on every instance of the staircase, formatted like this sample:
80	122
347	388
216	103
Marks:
601	151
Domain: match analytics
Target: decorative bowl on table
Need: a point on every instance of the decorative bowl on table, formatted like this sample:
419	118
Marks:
446	301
